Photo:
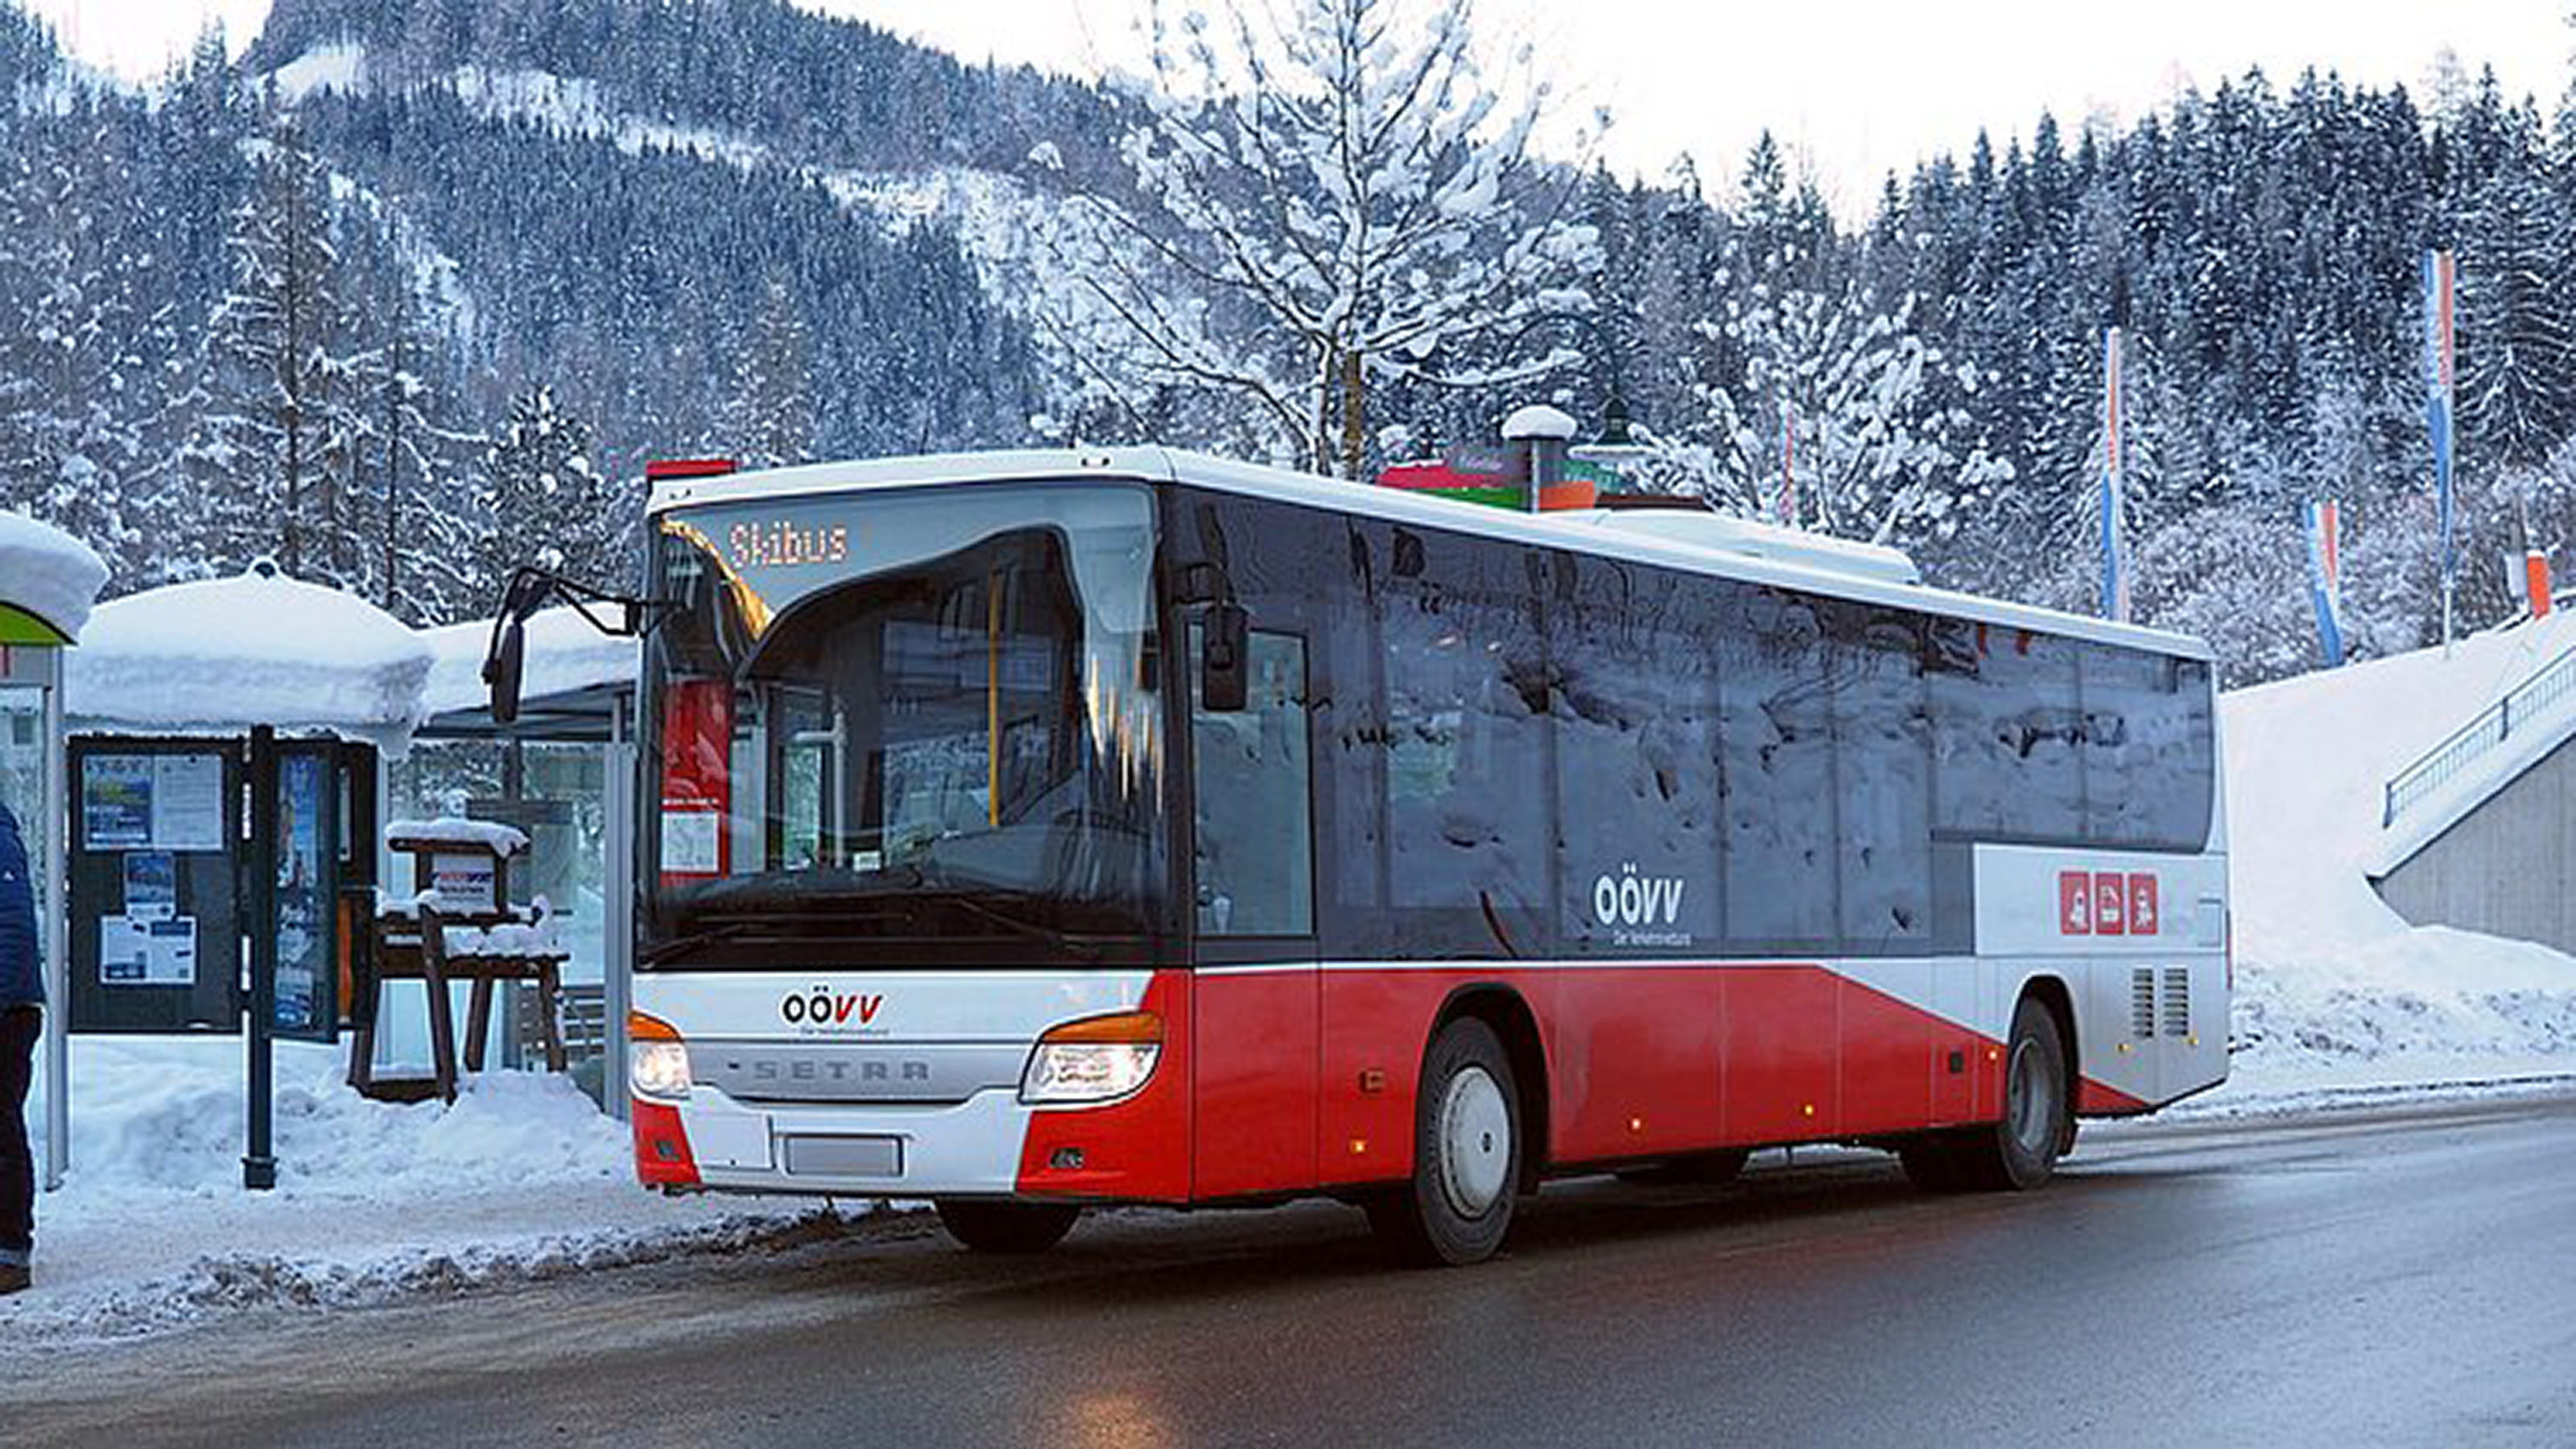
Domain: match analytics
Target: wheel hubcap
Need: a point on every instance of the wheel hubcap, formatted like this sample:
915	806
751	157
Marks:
1475	1142
2034	1100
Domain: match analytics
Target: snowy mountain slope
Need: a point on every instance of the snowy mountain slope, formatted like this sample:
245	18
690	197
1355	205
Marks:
2332	986
562	105
1013	230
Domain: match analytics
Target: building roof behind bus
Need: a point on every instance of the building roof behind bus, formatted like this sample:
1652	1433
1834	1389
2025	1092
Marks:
1585	535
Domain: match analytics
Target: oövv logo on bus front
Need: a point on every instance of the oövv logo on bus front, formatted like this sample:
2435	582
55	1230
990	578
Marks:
823	1007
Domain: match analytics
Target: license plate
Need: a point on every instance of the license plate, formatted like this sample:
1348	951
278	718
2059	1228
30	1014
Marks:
844	1156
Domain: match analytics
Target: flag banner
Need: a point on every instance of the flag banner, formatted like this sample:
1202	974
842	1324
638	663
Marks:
2440	372
2325	576
2115	523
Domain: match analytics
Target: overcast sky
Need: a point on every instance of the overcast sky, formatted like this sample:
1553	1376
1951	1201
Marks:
1855	88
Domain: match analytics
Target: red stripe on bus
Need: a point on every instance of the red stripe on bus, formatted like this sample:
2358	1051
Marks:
1642	1062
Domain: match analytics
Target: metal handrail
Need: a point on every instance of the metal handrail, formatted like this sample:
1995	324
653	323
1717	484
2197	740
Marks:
2492	726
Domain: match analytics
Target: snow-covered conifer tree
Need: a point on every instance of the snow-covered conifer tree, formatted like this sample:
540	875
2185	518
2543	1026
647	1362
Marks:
2517	347
546	503
772	412
422	564
280	374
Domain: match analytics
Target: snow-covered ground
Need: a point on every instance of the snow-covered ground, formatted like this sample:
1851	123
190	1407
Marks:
2338	1002
522	1179
2333	989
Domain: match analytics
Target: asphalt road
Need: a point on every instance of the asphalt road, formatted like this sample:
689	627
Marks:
2403	1277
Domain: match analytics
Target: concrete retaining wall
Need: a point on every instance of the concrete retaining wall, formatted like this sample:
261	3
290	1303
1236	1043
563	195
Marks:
2507	868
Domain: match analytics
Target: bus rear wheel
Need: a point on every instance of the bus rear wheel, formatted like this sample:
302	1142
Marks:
2021	1151
1006	1227
1466	1155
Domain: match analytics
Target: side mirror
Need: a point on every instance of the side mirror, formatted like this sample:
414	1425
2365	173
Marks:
504	666
1225	659
526	590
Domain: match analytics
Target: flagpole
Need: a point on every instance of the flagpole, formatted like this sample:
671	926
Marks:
2115	564
2440	379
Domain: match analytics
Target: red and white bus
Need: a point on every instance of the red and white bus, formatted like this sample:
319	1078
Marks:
1027	831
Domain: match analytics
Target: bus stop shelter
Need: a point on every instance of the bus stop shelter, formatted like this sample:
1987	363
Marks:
48	581
163	703
563	773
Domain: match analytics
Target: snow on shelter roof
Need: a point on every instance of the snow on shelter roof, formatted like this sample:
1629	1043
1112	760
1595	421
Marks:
221	655
565	655
47	574
1160	465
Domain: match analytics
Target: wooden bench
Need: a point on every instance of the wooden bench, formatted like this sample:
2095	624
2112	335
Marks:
461	928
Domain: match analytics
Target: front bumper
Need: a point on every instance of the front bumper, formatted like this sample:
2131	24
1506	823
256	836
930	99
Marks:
989	1144
966	1149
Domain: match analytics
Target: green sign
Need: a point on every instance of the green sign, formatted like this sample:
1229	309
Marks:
17	626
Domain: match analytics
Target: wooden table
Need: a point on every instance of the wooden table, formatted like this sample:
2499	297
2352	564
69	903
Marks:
465	930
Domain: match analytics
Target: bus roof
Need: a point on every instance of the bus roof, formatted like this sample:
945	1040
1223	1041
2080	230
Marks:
1581	533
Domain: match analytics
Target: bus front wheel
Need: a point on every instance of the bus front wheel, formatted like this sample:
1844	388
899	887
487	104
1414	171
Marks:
1466	1154
1006	1227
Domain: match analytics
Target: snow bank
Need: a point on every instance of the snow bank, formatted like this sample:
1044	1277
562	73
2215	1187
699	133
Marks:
565	655
521	1178
48	573
225	654
2332	986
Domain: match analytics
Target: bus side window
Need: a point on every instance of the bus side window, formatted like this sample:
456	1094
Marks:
1883	773
2007	730
1635	712
1255	825
1780	806
1468	819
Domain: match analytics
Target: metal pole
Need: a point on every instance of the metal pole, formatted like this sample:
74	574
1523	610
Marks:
58	974
618	971
259	1164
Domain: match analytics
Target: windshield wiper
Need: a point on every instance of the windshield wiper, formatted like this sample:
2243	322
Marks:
730	925
1080	950
662	951
734	925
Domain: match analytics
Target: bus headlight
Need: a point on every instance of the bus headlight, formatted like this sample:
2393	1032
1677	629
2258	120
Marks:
658	1063
1097	1059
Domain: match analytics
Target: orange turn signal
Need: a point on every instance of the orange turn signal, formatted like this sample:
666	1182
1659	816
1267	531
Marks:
640	1027
1125	1028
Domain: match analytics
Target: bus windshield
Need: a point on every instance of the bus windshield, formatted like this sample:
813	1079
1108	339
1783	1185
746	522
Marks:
928	715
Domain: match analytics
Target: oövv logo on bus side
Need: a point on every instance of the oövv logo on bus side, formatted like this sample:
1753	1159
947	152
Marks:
1635	907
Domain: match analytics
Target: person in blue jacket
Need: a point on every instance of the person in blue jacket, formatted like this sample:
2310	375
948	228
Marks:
22	997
